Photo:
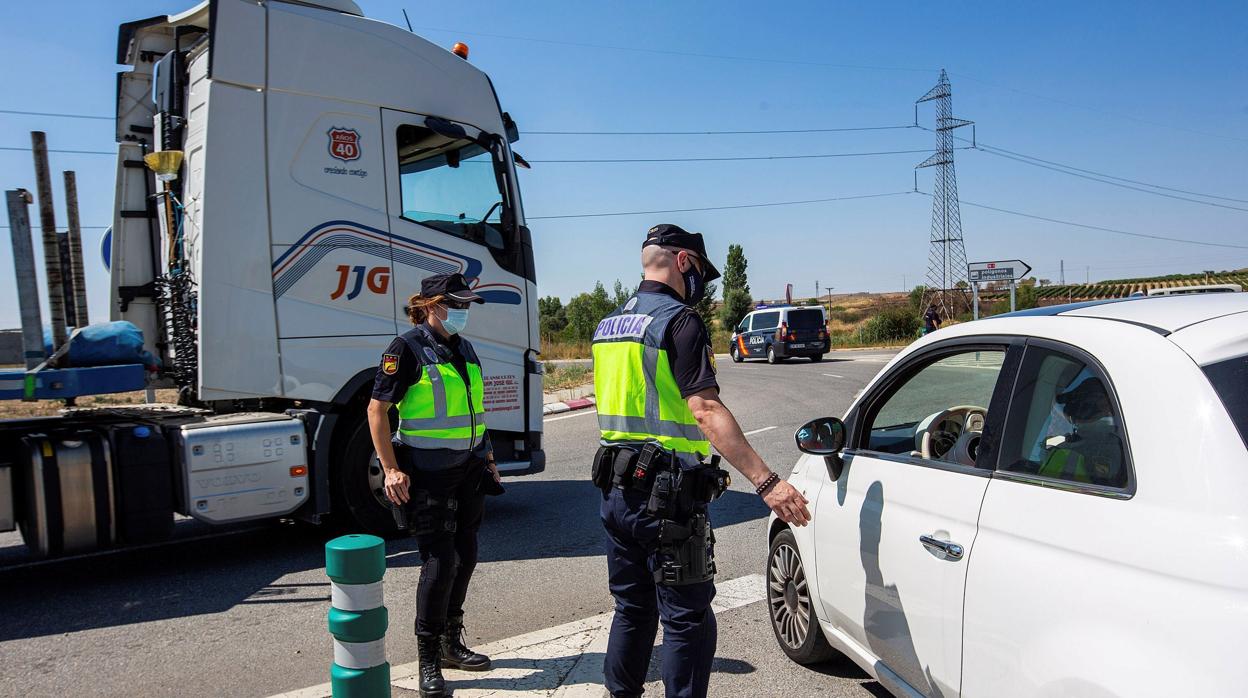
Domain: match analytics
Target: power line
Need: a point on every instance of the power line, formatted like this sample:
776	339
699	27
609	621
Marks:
687	54
1097	176
1110	183
54	150
714	133
721	208
1115	231
1099	110
738	158
84	227
1109	176
56	114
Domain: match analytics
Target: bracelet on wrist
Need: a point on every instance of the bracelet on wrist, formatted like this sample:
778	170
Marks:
770	482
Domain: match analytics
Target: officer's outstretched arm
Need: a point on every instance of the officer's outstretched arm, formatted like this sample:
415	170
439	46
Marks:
725	435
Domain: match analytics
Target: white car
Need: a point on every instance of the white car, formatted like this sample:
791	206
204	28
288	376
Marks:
1050	503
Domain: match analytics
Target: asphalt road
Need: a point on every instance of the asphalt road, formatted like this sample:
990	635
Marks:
243	614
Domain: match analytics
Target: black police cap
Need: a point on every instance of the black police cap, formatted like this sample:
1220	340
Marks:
453	286
668	235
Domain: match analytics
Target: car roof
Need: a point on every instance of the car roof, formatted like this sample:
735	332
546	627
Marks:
1163	314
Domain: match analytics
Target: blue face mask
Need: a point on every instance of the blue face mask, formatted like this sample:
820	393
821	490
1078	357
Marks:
455	320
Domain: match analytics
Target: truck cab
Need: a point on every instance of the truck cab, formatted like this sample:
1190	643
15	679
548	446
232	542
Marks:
287	174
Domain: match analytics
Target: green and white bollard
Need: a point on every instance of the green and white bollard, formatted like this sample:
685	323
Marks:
357	619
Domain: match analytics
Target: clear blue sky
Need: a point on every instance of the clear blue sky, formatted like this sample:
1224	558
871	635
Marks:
1148	91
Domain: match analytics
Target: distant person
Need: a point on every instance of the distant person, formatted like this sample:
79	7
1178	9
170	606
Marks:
659	412
931	319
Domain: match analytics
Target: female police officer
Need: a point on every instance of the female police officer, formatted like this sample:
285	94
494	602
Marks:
436	464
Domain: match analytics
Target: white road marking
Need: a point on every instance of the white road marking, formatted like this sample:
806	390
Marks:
758	431
833	375
560	662
580	413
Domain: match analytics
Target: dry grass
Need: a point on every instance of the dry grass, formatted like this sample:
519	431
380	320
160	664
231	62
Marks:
569	376
14	409
554	349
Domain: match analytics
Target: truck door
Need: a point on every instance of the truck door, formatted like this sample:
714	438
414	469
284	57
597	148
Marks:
448	199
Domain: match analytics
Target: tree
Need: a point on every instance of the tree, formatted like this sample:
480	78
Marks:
705	307
916	298
1025	297
736	305
620	295
585	311
734	271
552	316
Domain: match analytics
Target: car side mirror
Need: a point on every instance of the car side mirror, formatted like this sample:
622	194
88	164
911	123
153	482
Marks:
821	437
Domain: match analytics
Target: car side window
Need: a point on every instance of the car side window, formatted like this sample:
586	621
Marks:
745	324
1064	423
940	411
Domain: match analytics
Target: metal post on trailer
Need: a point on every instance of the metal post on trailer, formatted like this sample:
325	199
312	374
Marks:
76	272
51	247
27	281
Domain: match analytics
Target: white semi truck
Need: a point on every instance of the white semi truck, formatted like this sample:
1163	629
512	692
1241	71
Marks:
329	163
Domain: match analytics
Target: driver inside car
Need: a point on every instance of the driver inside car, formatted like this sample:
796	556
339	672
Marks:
1092	453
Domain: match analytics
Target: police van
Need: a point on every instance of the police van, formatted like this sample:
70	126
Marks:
781	332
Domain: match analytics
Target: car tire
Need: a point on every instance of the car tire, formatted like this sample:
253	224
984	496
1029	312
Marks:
816	358
791	610
358	485
771	354
735	353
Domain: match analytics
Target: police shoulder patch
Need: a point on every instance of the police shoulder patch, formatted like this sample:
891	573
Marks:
389	364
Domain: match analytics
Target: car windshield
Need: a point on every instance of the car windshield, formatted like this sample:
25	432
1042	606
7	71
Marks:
1230	380
963	379
805	319
450	185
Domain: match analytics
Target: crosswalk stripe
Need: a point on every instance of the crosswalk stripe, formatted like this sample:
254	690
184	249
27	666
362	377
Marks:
564	661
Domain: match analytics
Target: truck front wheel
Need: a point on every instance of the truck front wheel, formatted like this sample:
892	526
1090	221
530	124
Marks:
360	483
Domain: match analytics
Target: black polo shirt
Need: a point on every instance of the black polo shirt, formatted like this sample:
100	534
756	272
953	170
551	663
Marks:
391	387
688	345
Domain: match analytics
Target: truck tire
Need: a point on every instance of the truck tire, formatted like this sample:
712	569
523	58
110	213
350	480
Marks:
358	485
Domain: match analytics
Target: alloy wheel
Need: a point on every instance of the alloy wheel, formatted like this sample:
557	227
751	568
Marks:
789	596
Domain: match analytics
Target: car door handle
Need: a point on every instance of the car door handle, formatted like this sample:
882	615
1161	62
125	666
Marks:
950	549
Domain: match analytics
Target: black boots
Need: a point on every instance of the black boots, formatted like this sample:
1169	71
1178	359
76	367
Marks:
455	654
432	685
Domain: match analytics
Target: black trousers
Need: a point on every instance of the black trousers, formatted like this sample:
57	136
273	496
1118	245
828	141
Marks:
448	558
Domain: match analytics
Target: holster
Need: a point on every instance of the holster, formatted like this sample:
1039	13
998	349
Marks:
686	552
430	514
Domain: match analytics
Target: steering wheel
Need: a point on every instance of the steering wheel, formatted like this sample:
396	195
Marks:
953	434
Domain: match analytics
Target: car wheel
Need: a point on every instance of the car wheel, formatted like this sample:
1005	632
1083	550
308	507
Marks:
771	354
790	604
735	353
816	358
360	483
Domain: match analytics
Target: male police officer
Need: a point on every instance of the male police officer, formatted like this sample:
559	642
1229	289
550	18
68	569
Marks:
659	412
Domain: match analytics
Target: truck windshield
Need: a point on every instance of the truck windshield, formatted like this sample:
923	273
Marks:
451	185
1230	380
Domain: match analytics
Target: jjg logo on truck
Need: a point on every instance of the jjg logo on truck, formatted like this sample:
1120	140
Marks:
377	278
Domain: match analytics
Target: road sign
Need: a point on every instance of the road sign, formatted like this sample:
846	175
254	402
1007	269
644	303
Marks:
1006	270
